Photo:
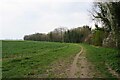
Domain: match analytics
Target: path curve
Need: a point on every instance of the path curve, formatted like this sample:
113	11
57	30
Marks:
82	68
74	68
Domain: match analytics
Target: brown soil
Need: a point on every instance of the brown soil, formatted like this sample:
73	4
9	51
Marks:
85	68
76	66
114	73
61	68
82	68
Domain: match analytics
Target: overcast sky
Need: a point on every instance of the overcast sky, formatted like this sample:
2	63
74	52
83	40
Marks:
21	17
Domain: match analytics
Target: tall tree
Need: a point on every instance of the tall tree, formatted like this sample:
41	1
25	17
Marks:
108	14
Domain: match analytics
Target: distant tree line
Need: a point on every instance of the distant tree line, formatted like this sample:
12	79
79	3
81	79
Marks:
82	34
36	37
77	35
62	34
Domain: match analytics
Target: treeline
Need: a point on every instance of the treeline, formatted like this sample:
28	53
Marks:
36	37
62	34
82	34
55	36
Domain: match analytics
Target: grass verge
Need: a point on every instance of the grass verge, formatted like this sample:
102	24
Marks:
100	56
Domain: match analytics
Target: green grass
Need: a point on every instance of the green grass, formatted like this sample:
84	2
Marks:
25	58
99	56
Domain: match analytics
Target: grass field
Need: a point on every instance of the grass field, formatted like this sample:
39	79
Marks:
100	56
26	58
23	59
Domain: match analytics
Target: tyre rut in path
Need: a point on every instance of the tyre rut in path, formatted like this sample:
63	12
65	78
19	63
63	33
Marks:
74	68
82	68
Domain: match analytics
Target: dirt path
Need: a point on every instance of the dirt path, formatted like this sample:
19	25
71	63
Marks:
74	67
82	68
